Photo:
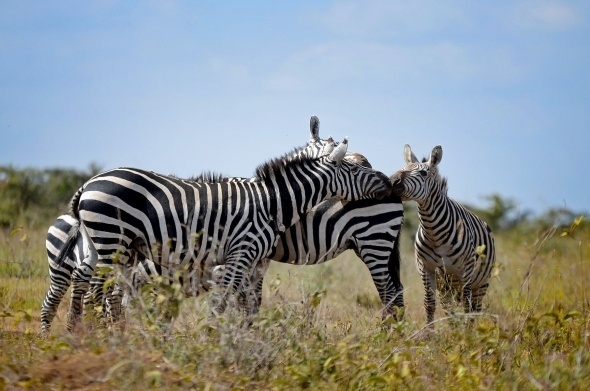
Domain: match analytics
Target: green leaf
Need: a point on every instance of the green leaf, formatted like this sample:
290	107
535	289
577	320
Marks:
571	314
480	250
15	231
154	378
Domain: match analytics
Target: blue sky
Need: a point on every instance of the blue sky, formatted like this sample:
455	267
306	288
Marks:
183	87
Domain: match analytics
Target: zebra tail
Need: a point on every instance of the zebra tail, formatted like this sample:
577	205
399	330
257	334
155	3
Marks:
69	245
71	241
75	202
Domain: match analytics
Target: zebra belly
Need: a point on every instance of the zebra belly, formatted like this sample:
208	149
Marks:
452	266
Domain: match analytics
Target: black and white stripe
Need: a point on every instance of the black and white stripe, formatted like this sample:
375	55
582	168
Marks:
60	275
186	225
451	241
368	227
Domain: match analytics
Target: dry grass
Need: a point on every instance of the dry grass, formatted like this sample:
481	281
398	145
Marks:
319	328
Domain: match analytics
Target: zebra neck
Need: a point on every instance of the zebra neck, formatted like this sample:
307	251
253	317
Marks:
295	199
432	210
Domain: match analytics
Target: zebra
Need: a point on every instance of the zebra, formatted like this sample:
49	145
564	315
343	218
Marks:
451	242
187	225
60	275
368	227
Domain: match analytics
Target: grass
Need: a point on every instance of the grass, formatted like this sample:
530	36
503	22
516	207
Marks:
319	328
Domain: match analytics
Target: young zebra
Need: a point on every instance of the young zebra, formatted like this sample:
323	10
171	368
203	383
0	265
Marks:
186	225
450	240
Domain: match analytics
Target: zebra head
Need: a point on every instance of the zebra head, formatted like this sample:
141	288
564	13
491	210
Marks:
354	180
418	180
317	147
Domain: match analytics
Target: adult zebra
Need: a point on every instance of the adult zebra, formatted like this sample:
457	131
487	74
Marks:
194	226
368	227
61	274
451	240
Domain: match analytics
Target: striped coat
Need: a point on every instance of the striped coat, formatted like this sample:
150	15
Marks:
194	226
451	241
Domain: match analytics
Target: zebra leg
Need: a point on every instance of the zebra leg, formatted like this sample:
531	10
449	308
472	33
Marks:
429	282
254	291
80	283
258	292
113	301
246	297
477	296
60	281
95	297
449	291
232	284
394	268
384	269
467	283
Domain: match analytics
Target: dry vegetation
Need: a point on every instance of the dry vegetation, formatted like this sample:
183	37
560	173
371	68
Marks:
319	329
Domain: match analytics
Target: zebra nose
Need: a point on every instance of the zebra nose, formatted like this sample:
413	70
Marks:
384	178
397	184
387	184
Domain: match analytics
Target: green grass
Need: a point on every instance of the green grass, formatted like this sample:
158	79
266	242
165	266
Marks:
319	329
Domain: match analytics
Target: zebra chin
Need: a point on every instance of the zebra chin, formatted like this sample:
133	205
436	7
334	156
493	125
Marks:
385	189
398	190
379	195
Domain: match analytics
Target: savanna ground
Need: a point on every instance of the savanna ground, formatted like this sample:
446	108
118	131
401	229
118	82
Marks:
319	329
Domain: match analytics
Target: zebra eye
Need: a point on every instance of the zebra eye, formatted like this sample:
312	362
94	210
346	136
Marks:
423	173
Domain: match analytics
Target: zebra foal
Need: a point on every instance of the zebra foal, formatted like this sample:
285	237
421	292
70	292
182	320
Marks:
188	225
450	241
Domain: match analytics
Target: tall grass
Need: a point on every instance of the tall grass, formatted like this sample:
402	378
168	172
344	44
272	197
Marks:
319	328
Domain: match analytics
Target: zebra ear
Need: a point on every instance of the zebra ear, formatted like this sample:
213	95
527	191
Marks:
338	154
328	147
435	156
409	156
314	129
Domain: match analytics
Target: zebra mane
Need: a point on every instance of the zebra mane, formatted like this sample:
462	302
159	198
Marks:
358	159
209	177
204	177
443	185
274	165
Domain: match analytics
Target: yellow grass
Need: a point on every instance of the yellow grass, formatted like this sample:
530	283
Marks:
319	328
